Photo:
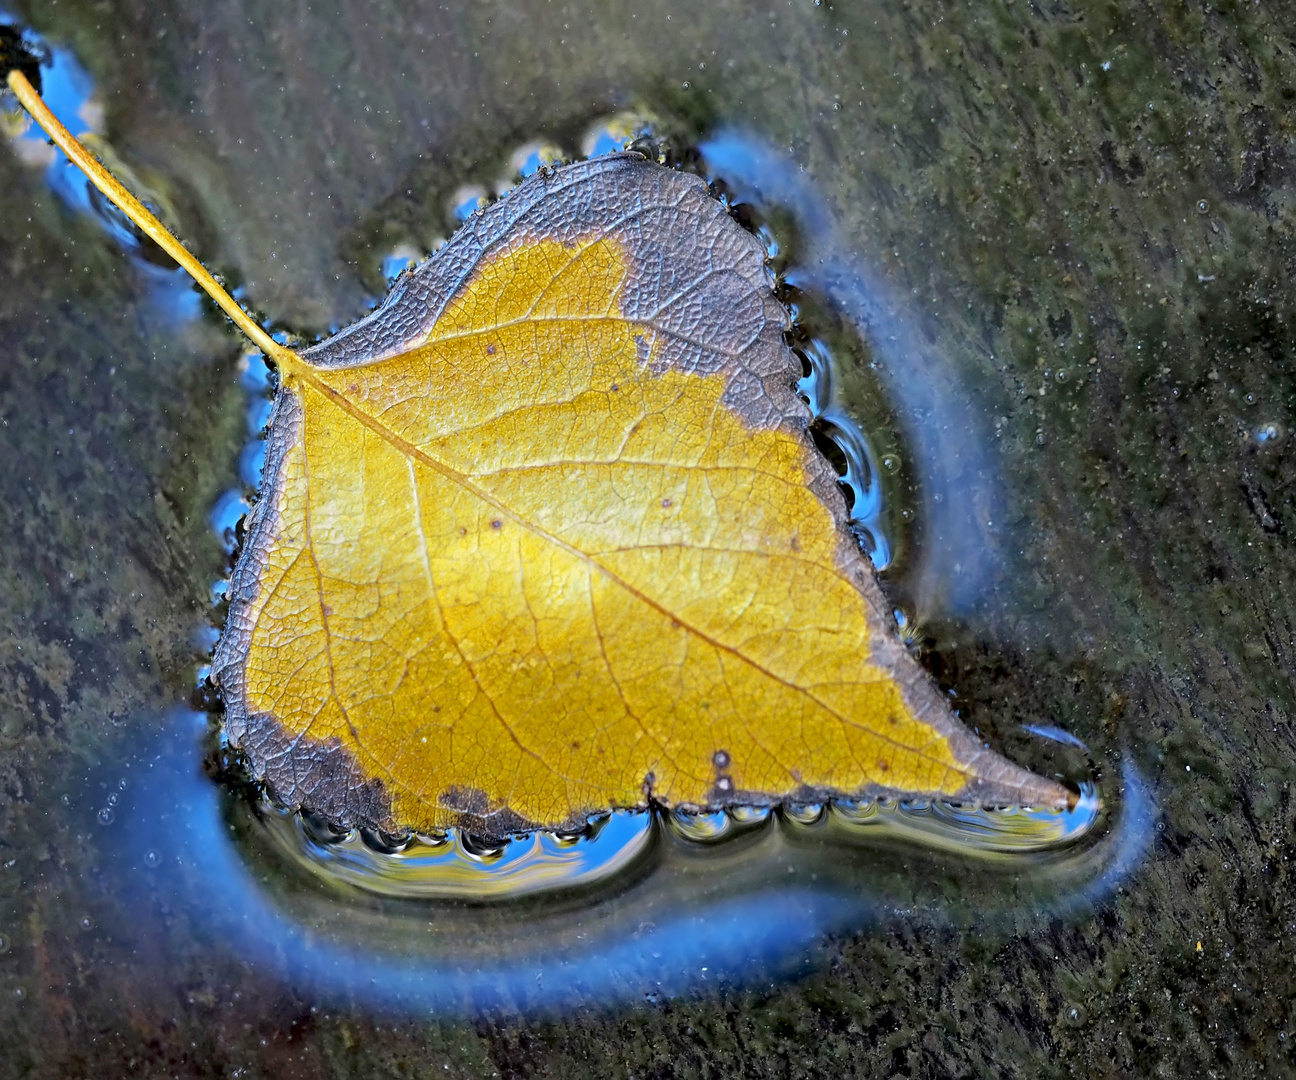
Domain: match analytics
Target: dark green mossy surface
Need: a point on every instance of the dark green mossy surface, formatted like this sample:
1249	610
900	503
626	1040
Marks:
1100	189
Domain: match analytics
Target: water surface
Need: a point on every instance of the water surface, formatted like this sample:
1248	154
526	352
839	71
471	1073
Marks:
1050	248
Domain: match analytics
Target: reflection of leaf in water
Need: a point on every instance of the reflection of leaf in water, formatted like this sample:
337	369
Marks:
546	534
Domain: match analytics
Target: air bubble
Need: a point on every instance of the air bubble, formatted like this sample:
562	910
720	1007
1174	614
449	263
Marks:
152	858
891	462
5	944
106	816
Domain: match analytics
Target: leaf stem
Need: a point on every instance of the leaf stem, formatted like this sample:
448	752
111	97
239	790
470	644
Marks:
95	172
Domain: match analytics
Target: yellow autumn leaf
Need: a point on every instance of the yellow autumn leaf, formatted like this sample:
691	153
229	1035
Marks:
546	534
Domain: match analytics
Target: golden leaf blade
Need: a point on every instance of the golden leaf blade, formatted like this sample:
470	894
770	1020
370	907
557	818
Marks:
546	534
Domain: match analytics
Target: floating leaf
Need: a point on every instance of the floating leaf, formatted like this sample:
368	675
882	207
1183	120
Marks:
546	534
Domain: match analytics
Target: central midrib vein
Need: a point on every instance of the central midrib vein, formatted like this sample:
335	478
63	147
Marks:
306	374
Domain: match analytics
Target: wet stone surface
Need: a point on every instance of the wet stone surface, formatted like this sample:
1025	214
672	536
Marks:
1083	213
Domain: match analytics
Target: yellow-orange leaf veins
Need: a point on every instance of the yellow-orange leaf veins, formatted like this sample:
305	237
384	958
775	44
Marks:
547	535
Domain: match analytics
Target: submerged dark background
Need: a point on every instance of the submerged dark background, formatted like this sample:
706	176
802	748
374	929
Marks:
1100	189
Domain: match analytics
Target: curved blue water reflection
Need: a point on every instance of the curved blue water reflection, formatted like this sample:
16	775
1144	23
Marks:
68	91
962	492
696	920
736	912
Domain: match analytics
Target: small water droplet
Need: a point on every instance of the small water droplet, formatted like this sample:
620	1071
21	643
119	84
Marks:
106	816
229	510
537	155
1202	206
254	373
749	815
401	258
466	201
891	462
804	813
86	922
701	828
1250	399
152	858
252	462
112	799
19	993
1076	1016
615	133
258	415
1062	375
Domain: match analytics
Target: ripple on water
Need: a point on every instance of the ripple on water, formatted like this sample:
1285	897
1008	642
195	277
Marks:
458	865
454	865
718	905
